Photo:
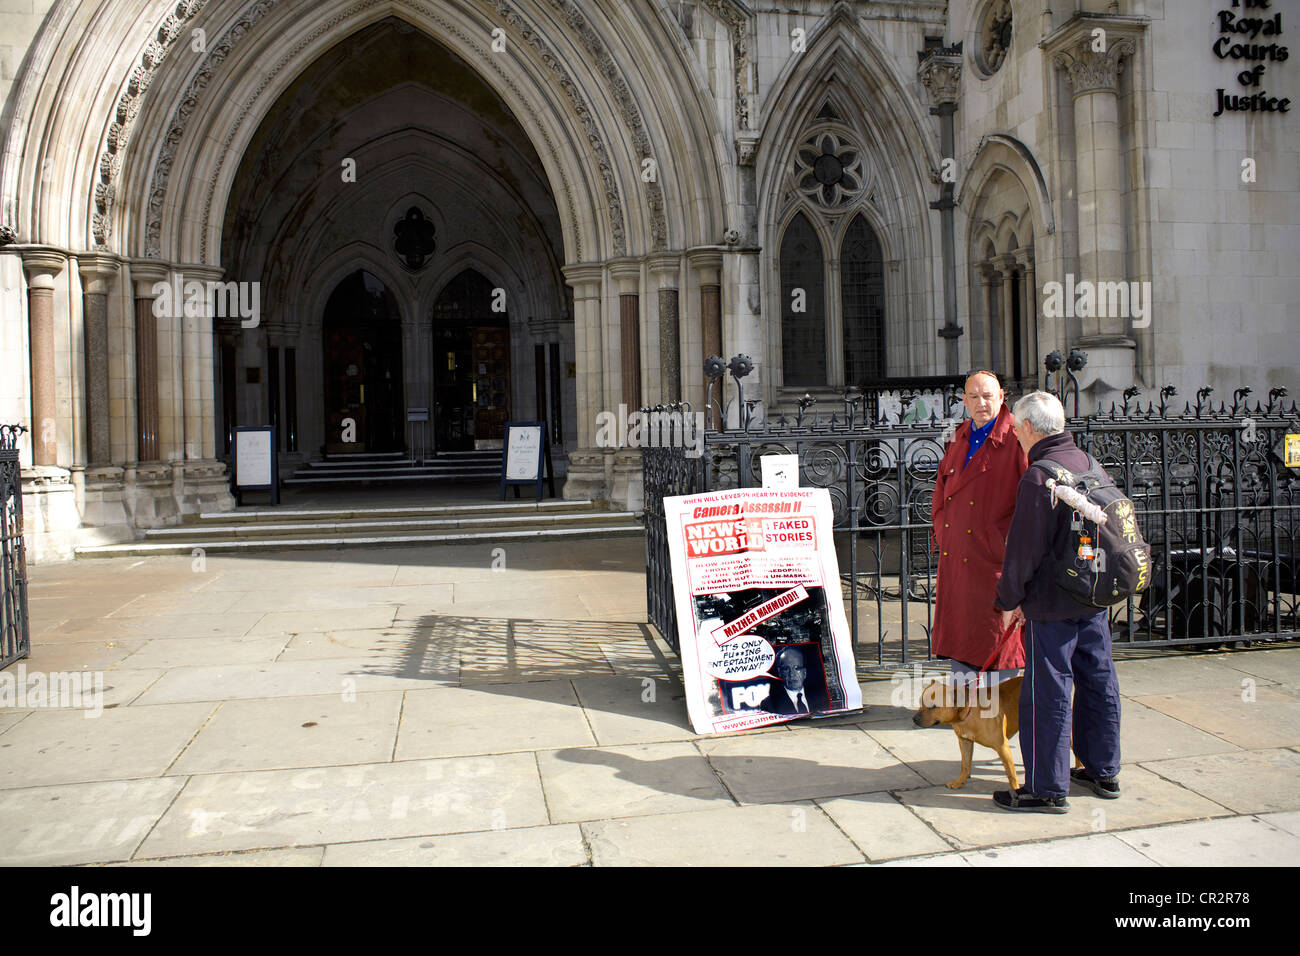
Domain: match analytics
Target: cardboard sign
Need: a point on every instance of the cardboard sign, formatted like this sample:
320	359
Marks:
760	611
1292	450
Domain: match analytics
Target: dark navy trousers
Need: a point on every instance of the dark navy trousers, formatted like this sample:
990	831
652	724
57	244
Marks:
1062	657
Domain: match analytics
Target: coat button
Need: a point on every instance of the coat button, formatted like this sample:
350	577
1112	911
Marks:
945	524
968	530
950	497
945	554
964	560
972	502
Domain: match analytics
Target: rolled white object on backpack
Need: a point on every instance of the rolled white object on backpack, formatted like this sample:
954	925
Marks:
1076	501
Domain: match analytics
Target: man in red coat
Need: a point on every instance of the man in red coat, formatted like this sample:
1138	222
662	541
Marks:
974	498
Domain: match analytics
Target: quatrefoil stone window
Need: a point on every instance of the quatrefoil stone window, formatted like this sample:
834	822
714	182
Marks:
828	169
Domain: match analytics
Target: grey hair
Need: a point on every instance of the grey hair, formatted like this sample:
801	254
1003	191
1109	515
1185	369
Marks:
1042	412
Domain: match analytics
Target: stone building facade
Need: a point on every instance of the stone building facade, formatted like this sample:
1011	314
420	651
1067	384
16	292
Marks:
242	212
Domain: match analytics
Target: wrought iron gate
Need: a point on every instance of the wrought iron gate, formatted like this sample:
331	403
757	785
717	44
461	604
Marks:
1217	504
14	642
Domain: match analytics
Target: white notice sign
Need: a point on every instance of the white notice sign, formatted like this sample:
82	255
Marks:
524	453
252	459
780	471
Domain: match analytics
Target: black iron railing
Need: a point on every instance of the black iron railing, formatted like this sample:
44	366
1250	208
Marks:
1214	500
15	641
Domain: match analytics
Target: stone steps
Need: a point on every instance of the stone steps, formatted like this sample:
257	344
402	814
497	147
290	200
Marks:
269	530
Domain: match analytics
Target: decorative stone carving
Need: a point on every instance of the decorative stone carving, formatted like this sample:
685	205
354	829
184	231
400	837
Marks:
128	105
828	168
995	32
1089	71
940	74
738	22
746	149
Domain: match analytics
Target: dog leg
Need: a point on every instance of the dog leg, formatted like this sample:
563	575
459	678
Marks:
967	752
1009	764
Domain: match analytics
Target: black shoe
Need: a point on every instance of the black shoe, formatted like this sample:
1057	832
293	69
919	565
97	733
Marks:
1022	799
1105	787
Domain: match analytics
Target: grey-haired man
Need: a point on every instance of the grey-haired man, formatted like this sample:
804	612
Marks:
1067	644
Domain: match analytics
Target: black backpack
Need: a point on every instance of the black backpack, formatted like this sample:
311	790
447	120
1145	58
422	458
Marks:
1099	565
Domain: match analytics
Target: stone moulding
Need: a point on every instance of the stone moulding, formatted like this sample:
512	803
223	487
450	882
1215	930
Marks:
220	50
738	21
128	105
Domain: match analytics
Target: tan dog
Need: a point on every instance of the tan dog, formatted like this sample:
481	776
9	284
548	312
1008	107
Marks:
985	715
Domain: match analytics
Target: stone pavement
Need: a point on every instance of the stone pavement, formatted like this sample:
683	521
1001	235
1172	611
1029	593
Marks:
415	707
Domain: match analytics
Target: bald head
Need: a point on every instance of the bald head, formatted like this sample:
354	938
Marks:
982	397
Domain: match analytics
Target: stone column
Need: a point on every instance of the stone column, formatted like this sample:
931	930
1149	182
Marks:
194	356
97	275
940	74
708	266
146	275
667	270
992	343
1092	68
1028	310
627	274
1004	361
1094	79
587	476
42	266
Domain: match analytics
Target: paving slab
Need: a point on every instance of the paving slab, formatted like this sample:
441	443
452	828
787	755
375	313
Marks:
290	679
81	823
1288	821
1099	849
1153	733
626	710
636	780
1271	718
559	845
343	618
459	721
182	602
9	717
1236	841
935	753
1276	664
65	746
381	642
635	659
229	624
51	655
969	818
200	651
947	860
805	763
298	856
285	808
779	835
294	732
1252	781
881	827
1175	673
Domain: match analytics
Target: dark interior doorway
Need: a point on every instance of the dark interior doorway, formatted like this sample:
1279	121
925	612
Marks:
362	334
471	364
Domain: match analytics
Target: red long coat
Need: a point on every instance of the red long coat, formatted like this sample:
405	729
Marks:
972	510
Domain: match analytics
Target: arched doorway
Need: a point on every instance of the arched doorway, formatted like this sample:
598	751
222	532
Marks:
471	364
362	341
